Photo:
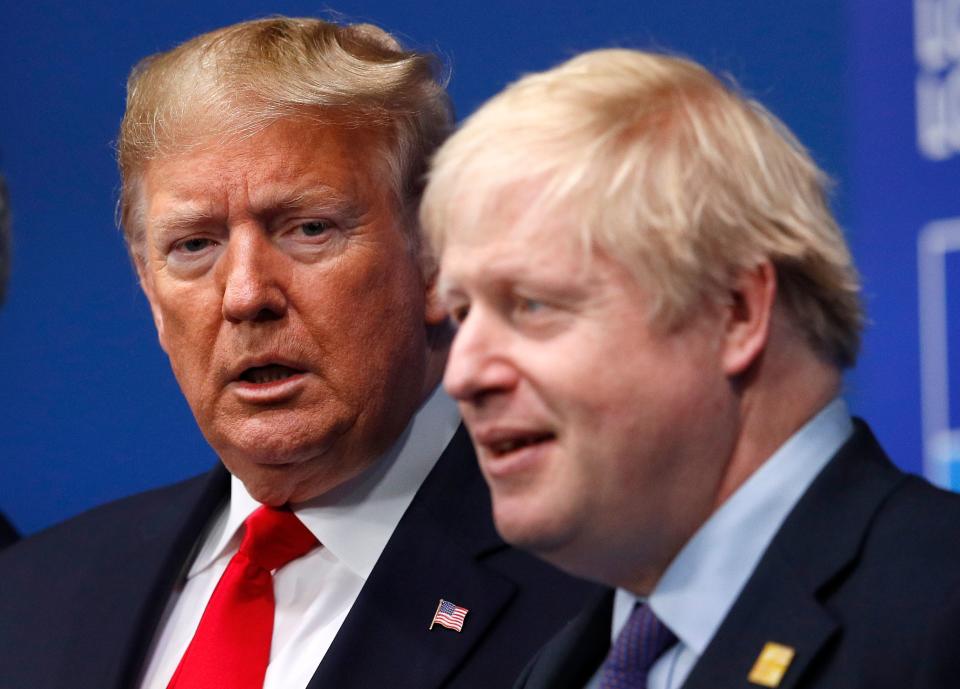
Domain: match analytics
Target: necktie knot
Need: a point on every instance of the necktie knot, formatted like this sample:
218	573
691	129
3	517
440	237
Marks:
231	647
639	645
274	537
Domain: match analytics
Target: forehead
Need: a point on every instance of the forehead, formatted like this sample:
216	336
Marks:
287	156
519	240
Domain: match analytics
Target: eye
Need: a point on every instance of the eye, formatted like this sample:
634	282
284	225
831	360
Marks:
458	313
525	305
191	256
314	228
193	245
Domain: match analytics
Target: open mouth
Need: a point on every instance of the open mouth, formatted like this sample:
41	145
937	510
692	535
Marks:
272	373
504	447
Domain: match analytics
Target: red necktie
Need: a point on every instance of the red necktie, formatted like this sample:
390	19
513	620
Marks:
231	647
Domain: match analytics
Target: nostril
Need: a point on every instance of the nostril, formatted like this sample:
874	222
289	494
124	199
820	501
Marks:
267	314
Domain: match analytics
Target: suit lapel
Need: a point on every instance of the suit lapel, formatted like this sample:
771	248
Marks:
574	654
436	552
782	601
782	611
131	580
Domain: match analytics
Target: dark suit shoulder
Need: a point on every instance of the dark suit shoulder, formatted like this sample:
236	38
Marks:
107	526
8	534
909	548
891	595
79	601
939	667
851	581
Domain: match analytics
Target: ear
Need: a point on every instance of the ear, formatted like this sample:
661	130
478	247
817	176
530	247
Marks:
434	311
747	317
146	283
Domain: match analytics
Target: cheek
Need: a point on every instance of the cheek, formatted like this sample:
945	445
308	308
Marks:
190	331
383	304
365	319
618	427
371	286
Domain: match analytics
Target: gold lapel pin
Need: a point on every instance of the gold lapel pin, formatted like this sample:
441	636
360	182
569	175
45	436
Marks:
771	665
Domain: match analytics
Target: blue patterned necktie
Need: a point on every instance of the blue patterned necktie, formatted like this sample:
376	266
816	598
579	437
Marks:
639	644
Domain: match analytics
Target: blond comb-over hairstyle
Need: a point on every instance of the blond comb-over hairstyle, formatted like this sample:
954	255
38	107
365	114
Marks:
236	81
666	169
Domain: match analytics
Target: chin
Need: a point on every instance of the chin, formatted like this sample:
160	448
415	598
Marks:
266	489
539	531
295	481
276	448
274	484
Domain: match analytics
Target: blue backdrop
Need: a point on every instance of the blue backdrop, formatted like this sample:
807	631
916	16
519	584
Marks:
88	408
904	141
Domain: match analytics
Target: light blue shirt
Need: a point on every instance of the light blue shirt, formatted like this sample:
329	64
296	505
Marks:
700	586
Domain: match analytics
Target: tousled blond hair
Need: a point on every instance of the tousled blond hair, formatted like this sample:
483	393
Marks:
667	169
236	81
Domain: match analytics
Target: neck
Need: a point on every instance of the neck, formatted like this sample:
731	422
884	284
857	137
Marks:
790	386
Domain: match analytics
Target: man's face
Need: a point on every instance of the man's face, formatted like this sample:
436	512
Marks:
602	439
288	301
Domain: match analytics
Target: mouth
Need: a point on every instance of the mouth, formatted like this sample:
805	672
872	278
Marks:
508	453
269	383
505	446
271	373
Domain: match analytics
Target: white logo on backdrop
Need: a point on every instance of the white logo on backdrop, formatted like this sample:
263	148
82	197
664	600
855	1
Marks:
937	47
941	442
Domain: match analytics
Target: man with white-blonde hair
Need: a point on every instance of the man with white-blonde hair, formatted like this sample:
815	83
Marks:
271	174
654	308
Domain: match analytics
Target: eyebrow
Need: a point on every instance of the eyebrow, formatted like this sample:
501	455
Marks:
189	216
446	287
319	195
184	218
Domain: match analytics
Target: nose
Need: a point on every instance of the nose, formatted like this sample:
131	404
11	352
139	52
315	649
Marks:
254	278
479	364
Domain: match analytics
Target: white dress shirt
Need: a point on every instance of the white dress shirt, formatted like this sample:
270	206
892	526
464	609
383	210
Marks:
315	592
704	580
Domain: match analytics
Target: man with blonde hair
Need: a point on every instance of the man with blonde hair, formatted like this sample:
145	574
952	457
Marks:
655	307
271	173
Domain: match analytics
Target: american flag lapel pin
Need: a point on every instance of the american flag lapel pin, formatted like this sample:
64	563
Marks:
449	615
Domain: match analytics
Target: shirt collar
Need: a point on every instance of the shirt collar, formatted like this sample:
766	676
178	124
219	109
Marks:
355	520
706	577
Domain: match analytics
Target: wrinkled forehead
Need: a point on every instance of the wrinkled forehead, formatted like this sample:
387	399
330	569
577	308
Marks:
315	145
213	126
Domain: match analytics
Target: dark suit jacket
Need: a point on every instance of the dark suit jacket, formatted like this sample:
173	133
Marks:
8	534
940	667
851	581
80	603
